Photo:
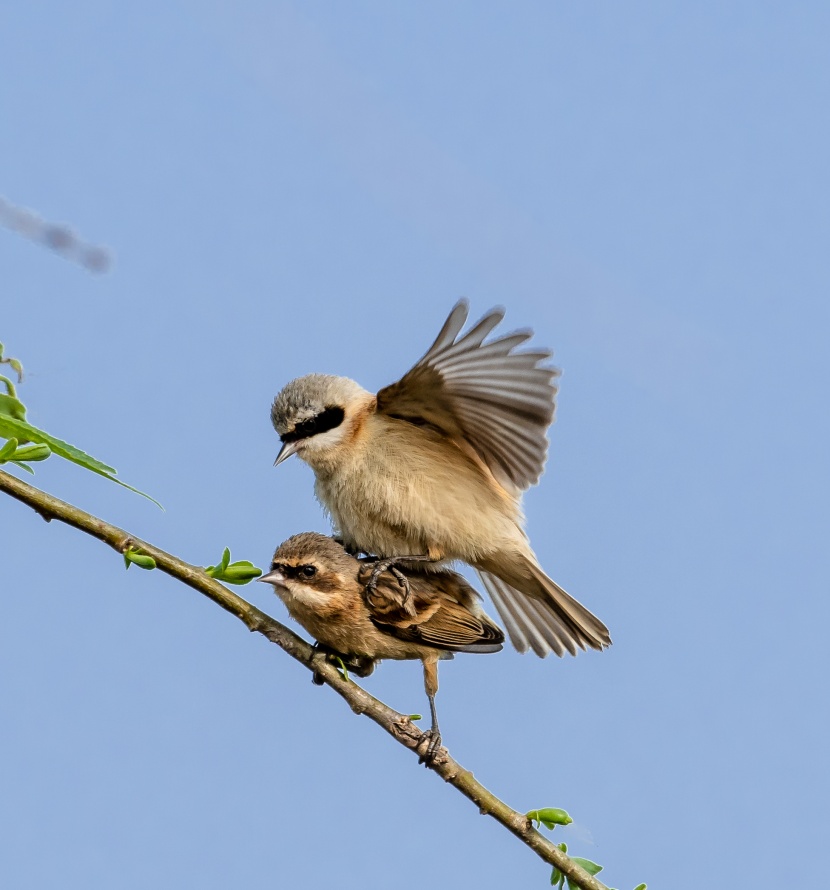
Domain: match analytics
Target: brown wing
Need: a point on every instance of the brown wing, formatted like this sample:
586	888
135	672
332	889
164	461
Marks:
447	612
498	400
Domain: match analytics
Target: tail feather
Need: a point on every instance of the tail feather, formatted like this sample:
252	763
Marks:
542	616
523	623
522	636
586	625
550	623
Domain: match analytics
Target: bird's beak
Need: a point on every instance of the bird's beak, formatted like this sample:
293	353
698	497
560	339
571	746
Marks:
274	577
286	451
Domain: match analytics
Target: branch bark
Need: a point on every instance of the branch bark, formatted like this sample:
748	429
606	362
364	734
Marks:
399	726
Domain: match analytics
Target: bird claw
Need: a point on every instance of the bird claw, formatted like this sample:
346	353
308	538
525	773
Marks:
429	756
403	582
316	677
360	665
390	565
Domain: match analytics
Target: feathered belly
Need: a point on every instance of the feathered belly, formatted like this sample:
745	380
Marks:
443	508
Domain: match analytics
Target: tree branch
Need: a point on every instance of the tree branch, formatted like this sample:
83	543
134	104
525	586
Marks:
397	725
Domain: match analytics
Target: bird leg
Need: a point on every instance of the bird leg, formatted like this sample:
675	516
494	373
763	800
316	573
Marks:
433	734
390	565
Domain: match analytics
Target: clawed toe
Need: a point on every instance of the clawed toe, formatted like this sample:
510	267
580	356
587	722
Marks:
390	565
433	738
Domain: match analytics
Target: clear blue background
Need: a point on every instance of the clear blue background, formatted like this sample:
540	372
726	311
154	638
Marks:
291	187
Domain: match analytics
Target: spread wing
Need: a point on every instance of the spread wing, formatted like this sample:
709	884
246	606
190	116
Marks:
447	612
499	401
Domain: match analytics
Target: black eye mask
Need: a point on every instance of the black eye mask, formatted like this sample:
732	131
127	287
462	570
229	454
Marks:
326	420
303	572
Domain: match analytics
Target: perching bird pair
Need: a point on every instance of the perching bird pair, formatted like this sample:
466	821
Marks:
428	471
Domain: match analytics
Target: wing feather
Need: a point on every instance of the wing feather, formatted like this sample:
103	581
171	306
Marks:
496	347
500	401
451	329
447	616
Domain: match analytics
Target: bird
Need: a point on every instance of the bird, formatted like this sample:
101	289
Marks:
433	467
326	590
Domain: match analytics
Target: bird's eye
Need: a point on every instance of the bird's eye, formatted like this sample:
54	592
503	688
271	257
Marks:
308	571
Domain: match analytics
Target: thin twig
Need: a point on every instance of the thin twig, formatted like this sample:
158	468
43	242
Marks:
399	726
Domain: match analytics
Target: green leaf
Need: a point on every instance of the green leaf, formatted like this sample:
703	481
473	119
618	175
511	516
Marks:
23	466
343	670
18	368
10	426
26	432
12	406
591	867
142	560
415	716
557	879
226	558
640	887
8	450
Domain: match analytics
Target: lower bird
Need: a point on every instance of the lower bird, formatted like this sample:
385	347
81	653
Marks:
327	591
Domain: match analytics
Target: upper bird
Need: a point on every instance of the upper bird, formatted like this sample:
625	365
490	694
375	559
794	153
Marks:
434	465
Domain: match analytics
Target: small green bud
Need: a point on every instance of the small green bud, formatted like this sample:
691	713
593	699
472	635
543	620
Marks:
142	560
32	452
241	572
550	817
237	573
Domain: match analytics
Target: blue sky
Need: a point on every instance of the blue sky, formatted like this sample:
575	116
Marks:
288	187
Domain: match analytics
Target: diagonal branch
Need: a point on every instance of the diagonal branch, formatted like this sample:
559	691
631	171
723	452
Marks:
361	702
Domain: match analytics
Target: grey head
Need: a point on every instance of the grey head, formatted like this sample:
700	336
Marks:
312	414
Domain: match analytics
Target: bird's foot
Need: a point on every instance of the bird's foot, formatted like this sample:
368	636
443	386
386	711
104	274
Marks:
316	677
403	583
390	564
433	739
360	665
